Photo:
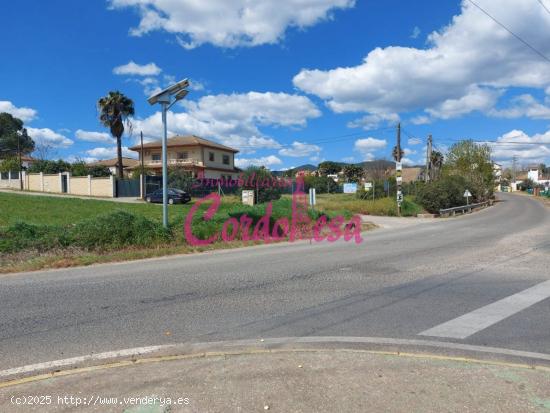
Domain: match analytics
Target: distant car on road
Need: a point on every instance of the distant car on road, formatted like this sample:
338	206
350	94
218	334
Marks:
175	196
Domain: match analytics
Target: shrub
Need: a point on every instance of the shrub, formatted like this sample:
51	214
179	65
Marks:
118	229
322	184
21	236
265	184
445	193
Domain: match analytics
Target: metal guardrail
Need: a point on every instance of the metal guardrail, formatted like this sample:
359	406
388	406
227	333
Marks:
463	208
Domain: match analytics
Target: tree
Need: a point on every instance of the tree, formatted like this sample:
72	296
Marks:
260	179
329	168
180	178
9	164
43	150
394	153
13	137
473	162
437	163
353	173
115	110
50	167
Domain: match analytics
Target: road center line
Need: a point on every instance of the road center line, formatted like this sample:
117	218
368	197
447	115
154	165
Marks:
468	324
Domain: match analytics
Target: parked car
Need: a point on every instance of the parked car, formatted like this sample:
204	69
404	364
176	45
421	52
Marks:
175	196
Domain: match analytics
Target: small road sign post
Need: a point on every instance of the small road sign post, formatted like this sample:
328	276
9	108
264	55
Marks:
399	180
399	197
312	198
467	195
369	186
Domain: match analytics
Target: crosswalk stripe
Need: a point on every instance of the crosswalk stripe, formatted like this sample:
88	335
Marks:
471	323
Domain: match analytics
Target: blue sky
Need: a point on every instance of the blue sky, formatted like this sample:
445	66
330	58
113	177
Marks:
288	82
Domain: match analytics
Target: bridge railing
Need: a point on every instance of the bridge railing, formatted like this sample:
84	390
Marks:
464	208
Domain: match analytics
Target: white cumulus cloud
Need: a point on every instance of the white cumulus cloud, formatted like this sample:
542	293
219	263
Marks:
109	152
134	69
464	68
266	161
300	149
367	146
529	149
92	136
235	119
229	23
25	114
49	137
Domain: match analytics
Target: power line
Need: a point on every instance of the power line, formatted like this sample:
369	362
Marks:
511	32
544	5
327	139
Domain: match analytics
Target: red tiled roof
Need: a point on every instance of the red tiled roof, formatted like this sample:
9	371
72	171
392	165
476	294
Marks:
189	140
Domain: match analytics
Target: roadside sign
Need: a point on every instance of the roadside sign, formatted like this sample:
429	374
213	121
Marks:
312	197
350	188
398	166
399	197
368	186
248	197
467	195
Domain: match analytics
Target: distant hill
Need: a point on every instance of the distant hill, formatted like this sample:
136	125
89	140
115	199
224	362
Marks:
306	167
376	164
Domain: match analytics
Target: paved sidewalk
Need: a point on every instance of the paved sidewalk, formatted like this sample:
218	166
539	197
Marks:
293	381
397	222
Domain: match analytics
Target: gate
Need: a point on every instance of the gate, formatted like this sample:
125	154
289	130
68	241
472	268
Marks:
152	183
127	188
64	183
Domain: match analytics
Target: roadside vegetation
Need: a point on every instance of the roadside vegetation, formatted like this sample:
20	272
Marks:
349	204
44	232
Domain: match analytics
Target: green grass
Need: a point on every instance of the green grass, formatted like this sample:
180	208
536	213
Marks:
347	204
48	232
34	209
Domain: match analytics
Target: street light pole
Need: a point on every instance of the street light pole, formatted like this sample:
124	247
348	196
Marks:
164	166
20	163
167	98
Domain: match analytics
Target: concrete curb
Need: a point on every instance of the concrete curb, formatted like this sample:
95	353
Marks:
408	347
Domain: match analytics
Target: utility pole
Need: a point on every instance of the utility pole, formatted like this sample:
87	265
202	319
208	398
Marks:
398	170
20	163
142	175
428	173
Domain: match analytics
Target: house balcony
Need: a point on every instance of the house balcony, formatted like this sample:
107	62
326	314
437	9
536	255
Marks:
174	162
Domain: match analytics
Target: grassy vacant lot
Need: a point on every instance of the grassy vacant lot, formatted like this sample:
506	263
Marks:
39	232
49	210
350	204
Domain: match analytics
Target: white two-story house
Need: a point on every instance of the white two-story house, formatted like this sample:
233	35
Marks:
201	157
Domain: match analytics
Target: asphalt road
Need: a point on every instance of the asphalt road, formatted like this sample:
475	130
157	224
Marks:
398	283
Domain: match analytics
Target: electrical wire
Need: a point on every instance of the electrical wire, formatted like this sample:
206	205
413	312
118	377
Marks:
510	31
544	5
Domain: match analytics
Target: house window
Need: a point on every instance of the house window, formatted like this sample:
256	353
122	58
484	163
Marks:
155	157
5	175
226	159
183	155
211	156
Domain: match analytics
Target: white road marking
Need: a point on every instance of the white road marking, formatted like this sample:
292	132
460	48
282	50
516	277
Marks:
76	360
471	323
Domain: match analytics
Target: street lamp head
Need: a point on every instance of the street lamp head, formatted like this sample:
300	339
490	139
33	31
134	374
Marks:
181	94
164	95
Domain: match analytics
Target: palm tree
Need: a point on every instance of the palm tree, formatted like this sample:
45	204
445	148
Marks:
394	153
115	110
437	163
